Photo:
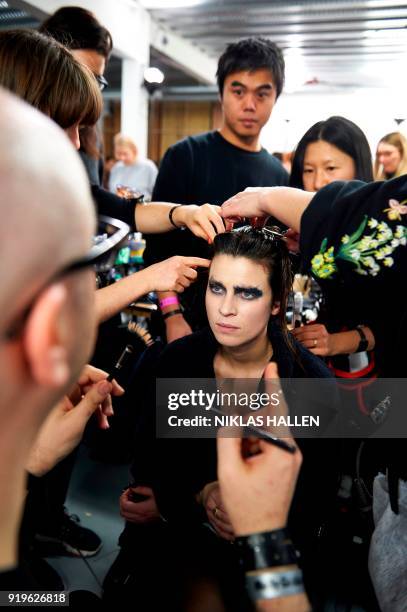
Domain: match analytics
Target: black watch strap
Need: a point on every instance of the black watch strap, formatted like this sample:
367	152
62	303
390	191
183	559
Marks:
364	343
267	549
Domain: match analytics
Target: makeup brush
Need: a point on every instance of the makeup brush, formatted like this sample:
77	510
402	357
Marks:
124	357
141	332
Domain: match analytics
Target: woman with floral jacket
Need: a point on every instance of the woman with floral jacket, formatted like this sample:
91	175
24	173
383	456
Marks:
352	238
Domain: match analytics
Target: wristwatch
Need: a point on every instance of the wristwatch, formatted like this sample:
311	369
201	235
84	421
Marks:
364	342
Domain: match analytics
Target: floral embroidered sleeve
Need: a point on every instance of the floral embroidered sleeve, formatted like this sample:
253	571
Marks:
354	241
368	248
347	230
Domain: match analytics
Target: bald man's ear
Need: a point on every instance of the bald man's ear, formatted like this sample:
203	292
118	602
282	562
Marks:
45	355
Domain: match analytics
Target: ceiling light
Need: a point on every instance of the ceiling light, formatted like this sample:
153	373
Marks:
153	75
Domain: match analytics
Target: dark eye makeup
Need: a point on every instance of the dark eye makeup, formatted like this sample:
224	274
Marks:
247	293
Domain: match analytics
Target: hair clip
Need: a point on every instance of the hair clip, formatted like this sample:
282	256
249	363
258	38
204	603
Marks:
272	233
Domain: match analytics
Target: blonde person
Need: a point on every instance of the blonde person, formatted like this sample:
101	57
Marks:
391	156
130	169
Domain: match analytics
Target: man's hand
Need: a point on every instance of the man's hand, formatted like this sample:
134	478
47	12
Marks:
212	502
257	489
139	512
203	221
63	428
175	273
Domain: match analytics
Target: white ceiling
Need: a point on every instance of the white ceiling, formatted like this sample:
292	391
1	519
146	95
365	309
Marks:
329	45
341	43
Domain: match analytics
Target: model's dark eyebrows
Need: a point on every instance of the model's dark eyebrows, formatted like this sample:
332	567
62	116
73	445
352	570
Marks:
215	282
240	288
267	86
237	84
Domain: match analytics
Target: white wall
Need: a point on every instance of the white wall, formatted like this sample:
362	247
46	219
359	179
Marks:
374	110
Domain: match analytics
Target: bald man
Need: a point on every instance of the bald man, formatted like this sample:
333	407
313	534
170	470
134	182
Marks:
46	316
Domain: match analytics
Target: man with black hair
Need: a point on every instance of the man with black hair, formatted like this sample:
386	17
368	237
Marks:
91	44
211	166
79	30
202	169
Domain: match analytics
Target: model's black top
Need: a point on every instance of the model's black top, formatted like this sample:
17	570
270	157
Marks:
353	239
179	468
205	169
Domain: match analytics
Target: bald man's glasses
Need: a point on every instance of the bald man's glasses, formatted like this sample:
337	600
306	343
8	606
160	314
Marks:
111	234
101	81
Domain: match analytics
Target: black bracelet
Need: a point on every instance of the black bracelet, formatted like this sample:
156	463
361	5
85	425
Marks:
172	313
170	216
267	549
364	343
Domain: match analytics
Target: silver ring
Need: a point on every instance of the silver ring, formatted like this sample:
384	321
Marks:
315	342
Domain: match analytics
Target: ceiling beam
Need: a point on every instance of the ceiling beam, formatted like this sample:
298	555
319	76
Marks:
275	16
270	29
283	8
125	18
190	58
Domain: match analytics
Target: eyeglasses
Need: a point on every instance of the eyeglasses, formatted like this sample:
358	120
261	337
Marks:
101	81
102	250
114	233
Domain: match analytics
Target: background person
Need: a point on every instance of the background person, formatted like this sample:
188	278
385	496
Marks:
331	150
335	149
210	167
325	218
130	170
91	44
391	156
